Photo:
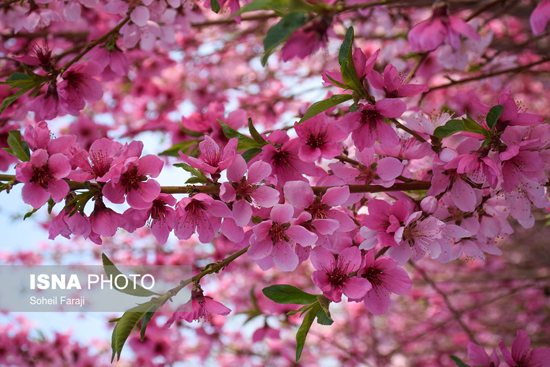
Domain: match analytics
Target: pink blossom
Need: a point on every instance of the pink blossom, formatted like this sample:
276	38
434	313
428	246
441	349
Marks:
512	113
385	277
540	17
382	222
522	355
430	33
114	59
200	213
367	123
202	307
247	191
96	163
480	358
212	158
306	40
325	218
334	276
130	180
43	177
319	138
275	240
66	224
105	221
394	84
363	66
481	169
78	87
161	216
370	170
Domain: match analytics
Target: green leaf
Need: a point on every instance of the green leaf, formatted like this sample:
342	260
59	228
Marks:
304	329
323	319
341	85
325	303
215	5
30	213
472	126
195	180
185	147
126	324
345	50
324	105
287	294
255	134
347	67
450	128
494	114
256	219
146	319
9	100
17	148
262	5
245	142
199	176
280	32
251	153
459	362
132	288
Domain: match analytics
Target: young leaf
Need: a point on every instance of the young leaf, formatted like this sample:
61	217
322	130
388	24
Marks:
345	59
215	5
132	288
185	147
280	32
450	128
244	141
287	294
459	362
325	303
472	126
262	5
304	329
323	319
255	134
324	105
345	50
17	148
146	319
126	324
251	153
30	213
197	173
493	115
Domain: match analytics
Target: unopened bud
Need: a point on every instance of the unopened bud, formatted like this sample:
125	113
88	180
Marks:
429	204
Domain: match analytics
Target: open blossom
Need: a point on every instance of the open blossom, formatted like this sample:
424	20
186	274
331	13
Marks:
382	222
200	213
393	84
513	114
540	17
131	179
480	169
385	278
371	169
522	355
212	158
202	307
480	358
245	191
96	163
78	87
105	221
274	240
367	123
319	138
114	59
335	275
325	218
161	215
430	33
43	177
363	66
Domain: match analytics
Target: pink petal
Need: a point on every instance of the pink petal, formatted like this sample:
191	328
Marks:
232	231
140	16
521	345
215	308
301	235
322	259
391	107
259	250
377	300
258	172
284	257
237	169
478	355
282	213
336	196
463	196
34	195
58	189
242	212
265	196
389	168
356	287
298	193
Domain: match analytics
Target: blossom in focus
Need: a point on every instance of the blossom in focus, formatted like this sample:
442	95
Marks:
202	307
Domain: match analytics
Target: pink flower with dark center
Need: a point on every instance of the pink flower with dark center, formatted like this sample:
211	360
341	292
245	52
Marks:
43	177
161	217
96	163
283	157
277	238
200	213
416	238
394	84
480	358
385	277
319	139
481	169
370	169
512	114
46	106
105	221
522	355
202	307
212	158
325	218
131	180
382	222
540	17
334	276
245	191
78	87
430	33
38	55
367	123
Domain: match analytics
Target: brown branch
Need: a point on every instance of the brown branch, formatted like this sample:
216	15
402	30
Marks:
483	8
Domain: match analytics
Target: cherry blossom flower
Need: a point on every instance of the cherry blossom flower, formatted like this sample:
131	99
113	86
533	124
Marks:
319	139
363	66
540	17
202	307
480	358
78	87
522	355
382	222
385	277
335	276
306	40
367	123
245	191
43	177
212	158
161	215
393	84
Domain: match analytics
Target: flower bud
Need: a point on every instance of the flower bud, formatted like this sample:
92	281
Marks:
447	155
429	204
